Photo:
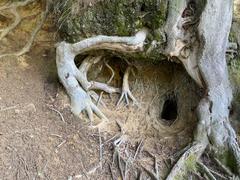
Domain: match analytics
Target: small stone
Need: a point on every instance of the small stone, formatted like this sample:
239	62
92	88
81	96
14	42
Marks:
30	108
17	111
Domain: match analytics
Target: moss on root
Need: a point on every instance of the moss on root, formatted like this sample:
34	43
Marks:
118	17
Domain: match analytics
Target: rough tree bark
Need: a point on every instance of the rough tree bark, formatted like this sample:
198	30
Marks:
214	130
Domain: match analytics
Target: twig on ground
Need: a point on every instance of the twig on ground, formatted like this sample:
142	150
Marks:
58	112
196	174
156	167
91	171
100	149
150	173
120	166
8	108
206	171
138	150
111	171
217	174
56	135
110	139
226	170
59	145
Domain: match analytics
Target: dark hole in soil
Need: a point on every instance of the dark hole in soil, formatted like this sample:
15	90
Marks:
170	110
143	7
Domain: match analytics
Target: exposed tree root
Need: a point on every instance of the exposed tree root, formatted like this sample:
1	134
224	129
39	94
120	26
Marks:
13	9
186	161
126	93
17	20
206	171
154	175
207	66
108	82
125	161
16	4
82	77
71	76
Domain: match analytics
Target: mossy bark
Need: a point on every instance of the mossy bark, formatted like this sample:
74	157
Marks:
119	18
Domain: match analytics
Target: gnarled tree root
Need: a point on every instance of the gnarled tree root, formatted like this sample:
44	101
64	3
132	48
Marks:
214	131
126	93
75	79
13	9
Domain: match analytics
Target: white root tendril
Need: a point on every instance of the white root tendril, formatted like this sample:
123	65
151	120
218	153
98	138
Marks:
126	93
75	79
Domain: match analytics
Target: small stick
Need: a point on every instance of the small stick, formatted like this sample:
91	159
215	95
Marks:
151	174
196	174
138	149
110	168
126	168
156	166
99	98
223	167
59	145
206	171
8	108
217	174
110	139
58	112
112	71
100	149
120	166
56	135
63	142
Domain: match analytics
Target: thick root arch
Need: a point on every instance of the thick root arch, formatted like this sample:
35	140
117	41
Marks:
75	79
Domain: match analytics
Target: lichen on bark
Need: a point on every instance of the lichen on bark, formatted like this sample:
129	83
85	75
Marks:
118	17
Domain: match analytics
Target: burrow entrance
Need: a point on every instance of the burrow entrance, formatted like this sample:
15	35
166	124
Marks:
167	95
169	111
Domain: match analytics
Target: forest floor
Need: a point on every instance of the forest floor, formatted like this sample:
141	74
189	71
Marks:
41	139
